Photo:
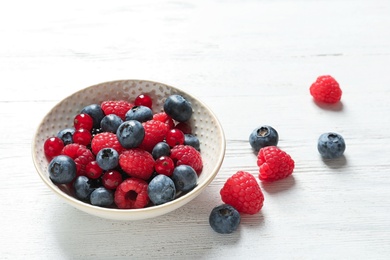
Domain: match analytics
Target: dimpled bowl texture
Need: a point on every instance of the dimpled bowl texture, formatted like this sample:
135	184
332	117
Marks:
204	123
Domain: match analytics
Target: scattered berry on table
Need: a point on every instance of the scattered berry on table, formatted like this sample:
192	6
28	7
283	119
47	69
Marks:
187	155
161	189
331	145
83	188
161	149
179	108
53	146
137	163
105	140
81	156
155	132
102	197
110	123
82	136
143	100
132	193
62	169
130	134
224	219
263	136
164	165
242	191
93	170
139	113
274	164
66	135
116	107
326	89
107	158
96	112
84	121
174	137
185	178
111	179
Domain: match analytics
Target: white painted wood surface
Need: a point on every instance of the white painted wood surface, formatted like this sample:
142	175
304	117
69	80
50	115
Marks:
252	62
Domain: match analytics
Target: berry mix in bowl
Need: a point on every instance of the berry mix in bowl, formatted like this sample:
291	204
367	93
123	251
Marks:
128	149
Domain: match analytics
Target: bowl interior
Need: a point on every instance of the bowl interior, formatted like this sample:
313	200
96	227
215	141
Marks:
204	124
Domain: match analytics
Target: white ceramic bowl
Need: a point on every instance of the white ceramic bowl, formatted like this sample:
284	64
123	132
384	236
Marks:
204	123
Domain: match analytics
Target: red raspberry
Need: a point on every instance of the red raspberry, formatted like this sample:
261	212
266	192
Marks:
243	192
155	132
326	89
163	117
187	155
105	140
137	163
81	156
117	107
274	164
132	193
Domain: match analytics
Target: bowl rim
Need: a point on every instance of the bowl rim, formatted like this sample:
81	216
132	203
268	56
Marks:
133	214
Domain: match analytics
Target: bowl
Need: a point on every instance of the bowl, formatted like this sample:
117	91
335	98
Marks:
204	123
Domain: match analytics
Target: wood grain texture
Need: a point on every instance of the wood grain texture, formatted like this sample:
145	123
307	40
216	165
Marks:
252	63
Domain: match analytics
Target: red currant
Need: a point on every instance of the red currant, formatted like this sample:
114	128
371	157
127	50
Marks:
93	170
82	136
53	146
111	179
184	127
164	165
174	137
143	100
83	121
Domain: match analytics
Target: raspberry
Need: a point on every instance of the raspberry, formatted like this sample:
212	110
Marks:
81	156
132	193
326	89
105	140
163	117
243	192
155	132
274	164
116	107
187	155
137	163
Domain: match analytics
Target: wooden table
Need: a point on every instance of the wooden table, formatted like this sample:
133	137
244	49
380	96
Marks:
252	63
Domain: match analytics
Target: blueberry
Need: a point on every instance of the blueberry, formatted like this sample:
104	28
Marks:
263	136
139	113
110	123
83	187
184	177
177	107
161	189
107	158
192	140
66	135
96	112
331	145
161	149
130	134
224	219
62	169
102	197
